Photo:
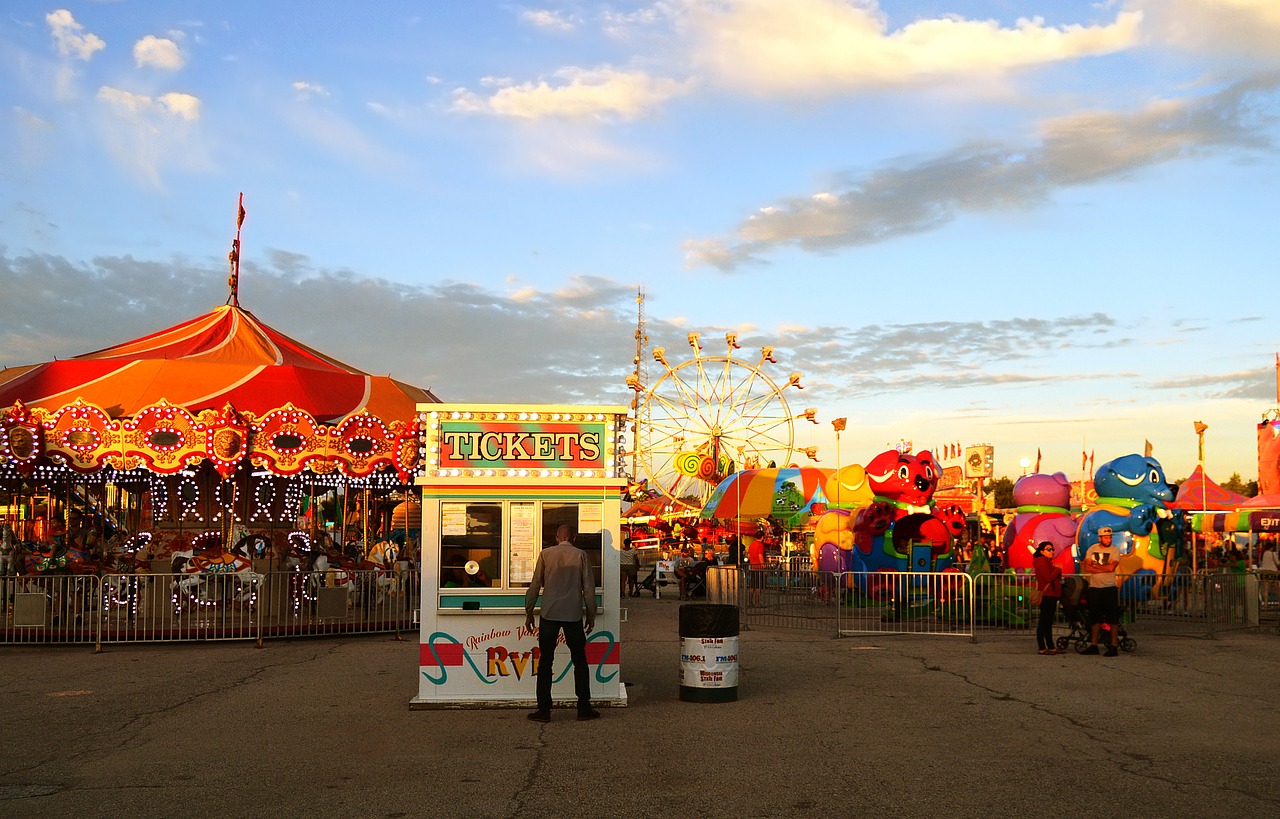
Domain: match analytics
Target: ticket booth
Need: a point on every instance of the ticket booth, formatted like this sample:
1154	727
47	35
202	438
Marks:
498	481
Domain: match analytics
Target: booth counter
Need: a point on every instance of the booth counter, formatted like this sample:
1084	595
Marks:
497	483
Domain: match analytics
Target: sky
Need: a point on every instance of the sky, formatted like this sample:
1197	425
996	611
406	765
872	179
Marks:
1050	227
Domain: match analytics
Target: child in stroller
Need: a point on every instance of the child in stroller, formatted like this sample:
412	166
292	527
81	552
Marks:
1075	610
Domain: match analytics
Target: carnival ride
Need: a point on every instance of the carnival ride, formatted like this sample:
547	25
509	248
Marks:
152	454
708	417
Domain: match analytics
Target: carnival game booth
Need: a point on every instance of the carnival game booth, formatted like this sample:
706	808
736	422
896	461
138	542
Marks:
218	449
498	480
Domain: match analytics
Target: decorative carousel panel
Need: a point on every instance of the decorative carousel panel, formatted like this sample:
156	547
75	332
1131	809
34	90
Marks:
286	440
408	448
80	436
226	438
364	443
164	437
21	437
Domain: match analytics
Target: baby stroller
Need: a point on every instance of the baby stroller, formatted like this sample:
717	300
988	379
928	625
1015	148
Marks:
1075	610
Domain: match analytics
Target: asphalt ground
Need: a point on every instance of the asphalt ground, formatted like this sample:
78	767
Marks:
885	726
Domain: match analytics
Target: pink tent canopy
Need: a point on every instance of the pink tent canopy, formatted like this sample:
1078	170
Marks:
1199	492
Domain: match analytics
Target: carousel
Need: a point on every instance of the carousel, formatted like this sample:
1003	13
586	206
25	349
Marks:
220	466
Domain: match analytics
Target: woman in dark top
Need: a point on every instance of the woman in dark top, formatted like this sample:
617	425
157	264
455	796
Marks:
1049	582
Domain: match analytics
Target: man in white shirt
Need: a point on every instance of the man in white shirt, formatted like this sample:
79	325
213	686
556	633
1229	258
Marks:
1103	594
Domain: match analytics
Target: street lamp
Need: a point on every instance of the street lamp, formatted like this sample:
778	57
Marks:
1025	463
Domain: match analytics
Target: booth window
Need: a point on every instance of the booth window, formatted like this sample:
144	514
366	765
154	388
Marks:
584	519
470	544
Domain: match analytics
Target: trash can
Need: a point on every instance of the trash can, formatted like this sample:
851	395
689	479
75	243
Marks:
708	652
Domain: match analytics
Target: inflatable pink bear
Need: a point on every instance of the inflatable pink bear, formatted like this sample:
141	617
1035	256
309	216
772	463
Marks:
1044	513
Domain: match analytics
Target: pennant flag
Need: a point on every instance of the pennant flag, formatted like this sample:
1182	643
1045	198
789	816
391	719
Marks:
1146	450
839	424
1091	452
240	217
1084	460
1037	459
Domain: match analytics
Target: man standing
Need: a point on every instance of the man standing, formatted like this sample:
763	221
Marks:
563	575
1100	564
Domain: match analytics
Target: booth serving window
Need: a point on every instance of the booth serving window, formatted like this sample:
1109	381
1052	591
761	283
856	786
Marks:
484	543
470	544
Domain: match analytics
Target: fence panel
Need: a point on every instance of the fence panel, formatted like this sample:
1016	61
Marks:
937	603
149	608
779	596
364	601
50	609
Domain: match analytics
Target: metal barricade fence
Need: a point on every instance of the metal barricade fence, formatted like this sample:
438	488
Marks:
933	603
50	609
132	608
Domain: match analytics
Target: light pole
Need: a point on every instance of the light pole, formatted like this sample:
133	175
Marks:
1025	463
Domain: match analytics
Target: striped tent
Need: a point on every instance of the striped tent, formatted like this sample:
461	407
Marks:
224	357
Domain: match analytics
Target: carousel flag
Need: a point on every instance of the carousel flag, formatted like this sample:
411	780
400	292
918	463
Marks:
1037	459
1146	450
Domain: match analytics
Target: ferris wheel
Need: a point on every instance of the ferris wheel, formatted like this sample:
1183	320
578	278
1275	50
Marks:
706	418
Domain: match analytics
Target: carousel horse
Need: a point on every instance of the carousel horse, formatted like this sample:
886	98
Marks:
8	546
209	575
120	580
377	571
308	563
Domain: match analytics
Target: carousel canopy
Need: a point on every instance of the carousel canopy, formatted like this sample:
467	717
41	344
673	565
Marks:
223	387
224	357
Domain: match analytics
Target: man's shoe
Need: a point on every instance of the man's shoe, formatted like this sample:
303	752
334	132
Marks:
540	716
583	716
1111	651
1090	650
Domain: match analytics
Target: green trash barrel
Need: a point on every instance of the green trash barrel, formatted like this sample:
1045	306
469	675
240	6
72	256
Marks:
708	652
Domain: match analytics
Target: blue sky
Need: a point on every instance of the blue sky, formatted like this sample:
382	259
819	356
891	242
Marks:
1043	226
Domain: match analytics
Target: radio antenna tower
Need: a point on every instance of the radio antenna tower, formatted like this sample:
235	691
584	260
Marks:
640	383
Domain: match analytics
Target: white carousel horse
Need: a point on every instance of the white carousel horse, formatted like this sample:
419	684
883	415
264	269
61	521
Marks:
210	575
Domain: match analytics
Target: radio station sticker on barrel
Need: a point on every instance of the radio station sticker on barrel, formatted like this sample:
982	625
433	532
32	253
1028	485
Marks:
709	662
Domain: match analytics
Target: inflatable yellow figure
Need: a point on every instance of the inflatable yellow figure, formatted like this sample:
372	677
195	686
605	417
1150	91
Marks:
847	491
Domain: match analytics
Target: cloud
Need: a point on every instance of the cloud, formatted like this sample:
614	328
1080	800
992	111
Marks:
910	198
155	52
342	139
1249	28
70	38
821	47
307	90
548	19
147	134
603	93
571	344
182	106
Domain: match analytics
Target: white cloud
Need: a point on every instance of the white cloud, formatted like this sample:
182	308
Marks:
70	37
183	106
600	93
146	134
307	90
1232	27
155	52
548	19
828	46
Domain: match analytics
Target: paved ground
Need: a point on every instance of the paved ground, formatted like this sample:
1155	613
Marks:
890	726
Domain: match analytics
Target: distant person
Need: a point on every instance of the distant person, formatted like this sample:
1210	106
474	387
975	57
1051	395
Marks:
562	574
629	569
1103	594
1049	583
755	577
1269	566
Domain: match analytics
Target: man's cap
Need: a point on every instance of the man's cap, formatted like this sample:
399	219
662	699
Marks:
1105	530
